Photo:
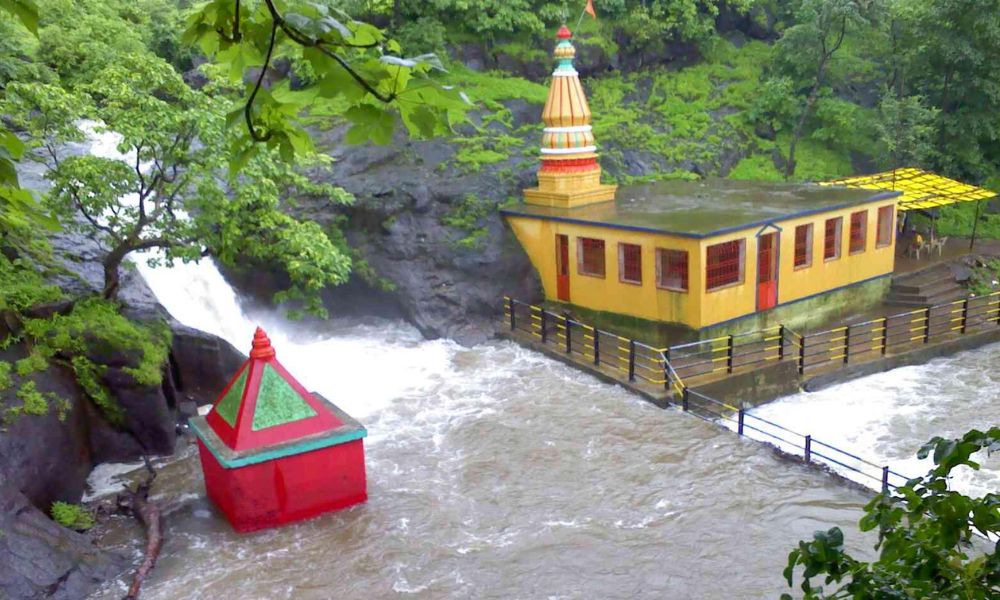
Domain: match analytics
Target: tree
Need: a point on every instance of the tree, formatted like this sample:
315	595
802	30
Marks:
808	47
355	73
165	191
905	131
928	538
20	214
947	49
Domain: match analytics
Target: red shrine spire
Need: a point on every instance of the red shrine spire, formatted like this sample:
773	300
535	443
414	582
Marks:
261	345
264	405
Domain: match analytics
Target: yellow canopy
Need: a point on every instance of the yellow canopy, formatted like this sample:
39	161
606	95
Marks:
921	189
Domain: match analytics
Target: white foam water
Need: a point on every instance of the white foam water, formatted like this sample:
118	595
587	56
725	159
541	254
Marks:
886	417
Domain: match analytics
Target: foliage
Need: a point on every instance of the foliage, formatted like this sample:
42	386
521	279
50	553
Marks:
756	167
957	220
468	216
23	286
905	132
94	327
475	151
350	61
679	116
19	211
942	52
162	190
73	516
927	537
806	50
649	24
985	278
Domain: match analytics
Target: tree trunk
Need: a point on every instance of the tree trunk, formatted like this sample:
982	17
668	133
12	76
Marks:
826	54
112	278
945	100
112	269
797	133
397	16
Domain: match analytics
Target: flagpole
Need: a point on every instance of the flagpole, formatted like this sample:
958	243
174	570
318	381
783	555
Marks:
580	20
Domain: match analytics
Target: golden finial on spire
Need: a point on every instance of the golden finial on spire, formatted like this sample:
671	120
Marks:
569	175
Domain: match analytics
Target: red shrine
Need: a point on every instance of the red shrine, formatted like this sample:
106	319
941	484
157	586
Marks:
273	453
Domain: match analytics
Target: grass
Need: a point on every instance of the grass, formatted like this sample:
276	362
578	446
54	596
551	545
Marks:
73	516
468	217
757	167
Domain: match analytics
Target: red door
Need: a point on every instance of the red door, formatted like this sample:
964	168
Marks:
562	267
767	271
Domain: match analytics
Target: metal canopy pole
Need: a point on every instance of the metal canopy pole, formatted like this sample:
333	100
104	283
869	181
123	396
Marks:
975	224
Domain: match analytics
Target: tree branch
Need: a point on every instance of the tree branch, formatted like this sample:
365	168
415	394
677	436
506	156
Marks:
303	40
86	215
248	108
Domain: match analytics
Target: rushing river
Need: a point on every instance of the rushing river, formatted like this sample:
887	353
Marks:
494	472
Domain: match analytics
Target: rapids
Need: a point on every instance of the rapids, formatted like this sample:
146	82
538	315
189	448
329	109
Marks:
494	472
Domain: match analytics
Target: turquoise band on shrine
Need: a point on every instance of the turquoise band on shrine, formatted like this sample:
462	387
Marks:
211	441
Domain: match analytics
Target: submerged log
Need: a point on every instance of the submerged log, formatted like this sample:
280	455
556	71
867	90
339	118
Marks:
137	503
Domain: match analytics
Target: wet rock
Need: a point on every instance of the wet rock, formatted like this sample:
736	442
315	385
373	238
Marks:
201	363
148	415
41	559
43	456
961	271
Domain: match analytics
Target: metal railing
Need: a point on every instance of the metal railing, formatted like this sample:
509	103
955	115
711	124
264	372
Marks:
788	441
644	363
639	362
833	348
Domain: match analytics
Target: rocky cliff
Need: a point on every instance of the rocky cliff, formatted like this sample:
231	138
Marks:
45	458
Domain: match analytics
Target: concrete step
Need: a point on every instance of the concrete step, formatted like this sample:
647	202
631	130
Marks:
931	276
942	296
928	289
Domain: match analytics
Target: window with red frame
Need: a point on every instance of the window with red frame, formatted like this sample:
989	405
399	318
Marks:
724	265
590	257
859	231
630	263
803	246
672	269
886	215
831	238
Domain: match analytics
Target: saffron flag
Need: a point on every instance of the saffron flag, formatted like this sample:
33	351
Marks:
590	9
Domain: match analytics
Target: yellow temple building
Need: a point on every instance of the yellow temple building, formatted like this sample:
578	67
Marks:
698	256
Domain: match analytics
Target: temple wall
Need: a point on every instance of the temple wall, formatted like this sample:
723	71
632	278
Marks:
698	308
609	294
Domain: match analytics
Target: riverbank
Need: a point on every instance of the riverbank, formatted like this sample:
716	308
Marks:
48	448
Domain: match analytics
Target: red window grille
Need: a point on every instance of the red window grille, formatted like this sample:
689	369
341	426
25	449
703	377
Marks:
859	229
831	238
672	269
724	265
591	257
803	245
630	263
886	215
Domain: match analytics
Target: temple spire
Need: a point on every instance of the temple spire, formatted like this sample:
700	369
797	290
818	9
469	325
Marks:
570	174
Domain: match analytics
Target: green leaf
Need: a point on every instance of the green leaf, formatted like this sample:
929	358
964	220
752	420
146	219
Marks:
369	124
25	11
238	58
13	144
421	119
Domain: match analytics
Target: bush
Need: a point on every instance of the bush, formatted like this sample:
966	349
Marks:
72	516
928	537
